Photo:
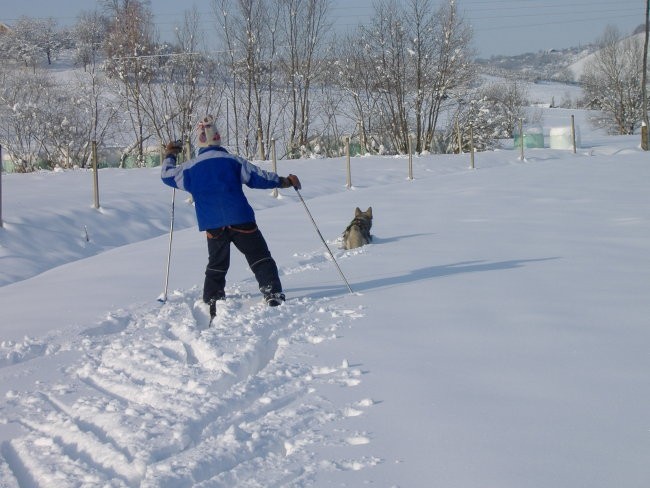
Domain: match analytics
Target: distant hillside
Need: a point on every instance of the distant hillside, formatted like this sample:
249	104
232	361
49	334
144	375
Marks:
577	68
563	65
553	65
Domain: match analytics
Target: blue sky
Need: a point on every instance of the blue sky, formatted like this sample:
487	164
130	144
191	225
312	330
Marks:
500	26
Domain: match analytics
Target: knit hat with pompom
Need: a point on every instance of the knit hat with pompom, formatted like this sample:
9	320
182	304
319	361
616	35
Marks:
208	134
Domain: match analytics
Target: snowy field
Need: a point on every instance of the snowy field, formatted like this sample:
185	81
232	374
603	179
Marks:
498	336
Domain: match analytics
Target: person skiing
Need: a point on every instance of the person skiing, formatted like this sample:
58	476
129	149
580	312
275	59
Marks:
215	179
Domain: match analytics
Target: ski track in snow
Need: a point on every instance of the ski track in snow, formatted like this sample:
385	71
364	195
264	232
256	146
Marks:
159	399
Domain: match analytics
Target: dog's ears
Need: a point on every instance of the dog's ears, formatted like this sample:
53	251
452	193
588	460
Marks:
358	212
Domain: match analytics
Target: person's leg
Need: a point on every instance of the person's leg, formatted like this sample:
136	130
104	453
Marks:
249	241
218	264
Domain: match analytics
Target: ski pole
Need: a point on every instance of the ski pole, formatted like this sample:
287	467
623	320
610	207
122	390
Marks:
163	296
322	239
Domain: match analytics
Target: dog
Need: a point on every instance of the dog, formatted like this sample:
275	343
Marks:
357	234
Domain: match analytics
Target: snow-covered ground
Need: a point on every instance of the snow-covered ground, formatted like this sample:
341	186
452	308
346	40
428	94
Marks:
498	336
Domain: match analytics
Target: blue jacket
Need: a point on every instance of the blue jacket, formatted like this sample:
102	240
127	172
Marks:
215	178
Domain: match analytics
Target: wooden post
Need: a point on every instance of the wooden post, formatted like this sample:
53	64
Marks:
521	139
95	175
573	132
410	158
460	138
275	164
471	147
1	166
348	180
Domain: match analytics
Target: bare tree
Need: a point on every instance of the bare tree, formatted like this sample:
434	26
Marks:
612	82
89	34
222	11
451	69
492	112
249	30
130	48
48	38
419	58
99	111
32	40
73	115
354	72
181	80
504	103
305	25
330	117
17	46
47	124
385	41
422	23
21	98
268	107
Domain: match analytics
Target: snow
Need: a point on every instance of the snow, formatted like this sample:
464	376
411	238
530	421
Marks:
497	335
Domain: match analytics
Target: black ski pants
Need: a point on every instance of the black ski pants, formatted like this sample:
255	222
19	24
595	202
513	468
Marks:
248	239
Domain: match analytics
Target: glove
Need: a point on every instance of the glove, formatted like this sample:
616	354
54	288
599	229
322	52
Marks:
291	180
174	147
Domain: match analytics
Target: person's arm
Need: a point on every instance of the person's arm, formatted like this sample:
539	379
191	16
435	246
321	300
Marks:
255	177
172	174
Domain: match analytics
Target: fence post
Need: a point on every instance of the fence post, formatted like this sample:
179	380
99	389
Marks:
471	147
1	166
410	158
275	164
573	132
348	181
95	175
